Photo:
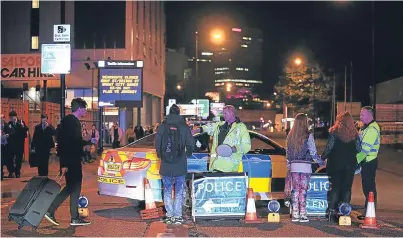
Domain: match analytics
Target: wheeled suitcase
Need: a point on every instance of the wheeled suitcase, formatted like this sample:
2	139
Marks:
34	201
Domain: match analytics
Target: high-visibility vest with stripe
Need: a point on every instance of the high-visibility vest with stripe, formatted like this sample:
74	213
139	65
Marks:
370	142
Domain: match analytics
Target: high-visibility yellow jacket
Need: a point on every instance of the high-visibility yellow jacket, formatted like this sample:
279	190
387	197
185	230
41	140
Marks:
237	136
370	142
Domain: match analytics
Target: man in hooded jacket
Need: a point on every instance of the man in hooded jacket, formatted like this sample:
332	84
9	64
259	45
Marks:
174	172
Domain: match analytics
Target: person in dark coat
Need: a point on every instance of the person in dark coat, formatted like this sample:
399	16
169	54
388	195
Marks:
174	170
16	141
5	158
341	150
42	143
139	132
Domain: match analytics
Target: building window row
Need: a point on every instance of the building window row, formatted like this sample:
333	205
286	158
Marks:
221	69
238	80
242	69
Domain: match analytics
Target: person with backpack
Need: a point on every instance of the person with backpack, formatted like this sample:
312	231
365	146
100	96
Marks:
174	143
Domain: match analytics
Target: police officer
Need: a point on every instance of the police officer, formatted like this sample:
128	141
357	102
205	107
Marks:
368	157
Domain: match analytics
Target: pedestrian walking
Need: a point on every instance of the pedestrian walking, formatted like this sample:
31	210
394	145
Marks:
87	148
5	156
341	150
117	135
368	156
174	143
16	141
301	152
130	134
42	143
70	146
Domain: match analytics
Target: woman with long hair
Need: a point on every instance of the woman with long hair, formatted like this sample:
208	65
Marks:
341	150
301	152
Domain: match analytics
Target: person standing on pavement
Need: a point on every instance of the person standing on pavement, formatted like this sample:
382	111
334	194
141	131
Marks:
42	143
368	156
87	148
130	134
231	132
5	157
341	150
70	146
139	131
16	141
117	135
301	152
174	143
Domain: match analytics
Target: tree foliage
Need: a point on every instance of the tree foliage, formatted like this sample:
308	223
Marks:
303	86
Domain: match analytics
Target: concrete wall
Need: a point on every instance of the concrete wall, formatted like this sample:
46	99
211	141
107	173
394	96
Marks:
390	91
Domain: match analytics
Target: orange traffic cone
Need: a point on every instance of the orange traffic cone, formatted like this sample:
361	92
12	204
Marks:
151	210
251	216
370	218
150	203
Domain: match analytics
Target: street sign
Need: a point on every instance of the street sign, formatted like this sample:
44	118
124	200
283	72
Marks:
204	110
61	33
219	196
316	202
56	59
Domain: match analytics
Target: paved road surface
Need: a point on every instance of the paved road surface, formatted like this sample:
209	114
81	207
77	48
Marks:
115	217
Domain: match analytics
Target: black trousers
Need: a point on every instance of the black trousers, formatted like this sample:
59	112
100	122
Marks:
74	177
6	160
16	156
43	163
115	144
368	174
340	191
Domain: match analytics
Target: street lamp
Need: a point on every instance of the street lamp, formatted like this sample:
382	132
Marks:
88	66
217	36
298	62
179	87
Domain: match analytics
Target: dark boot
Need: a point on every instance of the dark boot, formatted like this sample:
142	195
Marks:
332	215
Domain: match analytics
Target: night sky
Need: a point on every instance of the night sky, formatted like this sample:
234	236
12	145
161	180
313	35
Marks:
336	32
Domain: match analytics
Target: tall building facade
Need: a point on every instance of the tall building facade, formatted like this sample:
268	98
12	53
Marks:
234	63
115	30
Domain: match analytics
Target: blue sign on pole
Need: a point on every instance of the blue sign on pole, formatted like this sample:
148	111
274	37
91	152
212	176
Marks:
316	203
219	196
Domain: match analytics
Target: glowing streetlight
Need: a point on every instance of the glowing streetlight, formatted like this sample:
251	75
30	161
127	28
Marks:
229	87
217	36
298	61
179	87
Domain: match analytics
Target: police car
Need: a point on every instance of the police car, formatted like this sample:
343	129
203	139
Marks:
122	171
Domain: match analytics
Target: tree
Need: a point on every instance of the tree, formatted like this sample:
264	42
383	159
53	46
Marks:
303	86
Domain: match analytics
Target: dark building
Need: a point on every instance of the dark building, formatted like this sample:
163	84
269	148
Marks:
233	63
100	30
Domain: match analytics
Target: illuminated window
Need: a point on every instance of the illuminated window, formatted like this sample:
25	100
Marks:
35	3
244	46
34	42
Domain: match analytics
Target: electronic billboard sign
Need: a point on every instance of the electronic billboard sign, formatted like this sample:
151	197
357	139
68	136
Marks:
120	83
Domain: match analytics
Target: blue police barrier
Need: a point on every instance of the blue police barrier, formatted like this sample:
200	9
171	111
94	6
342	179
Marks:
316	203
83	202
219	196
